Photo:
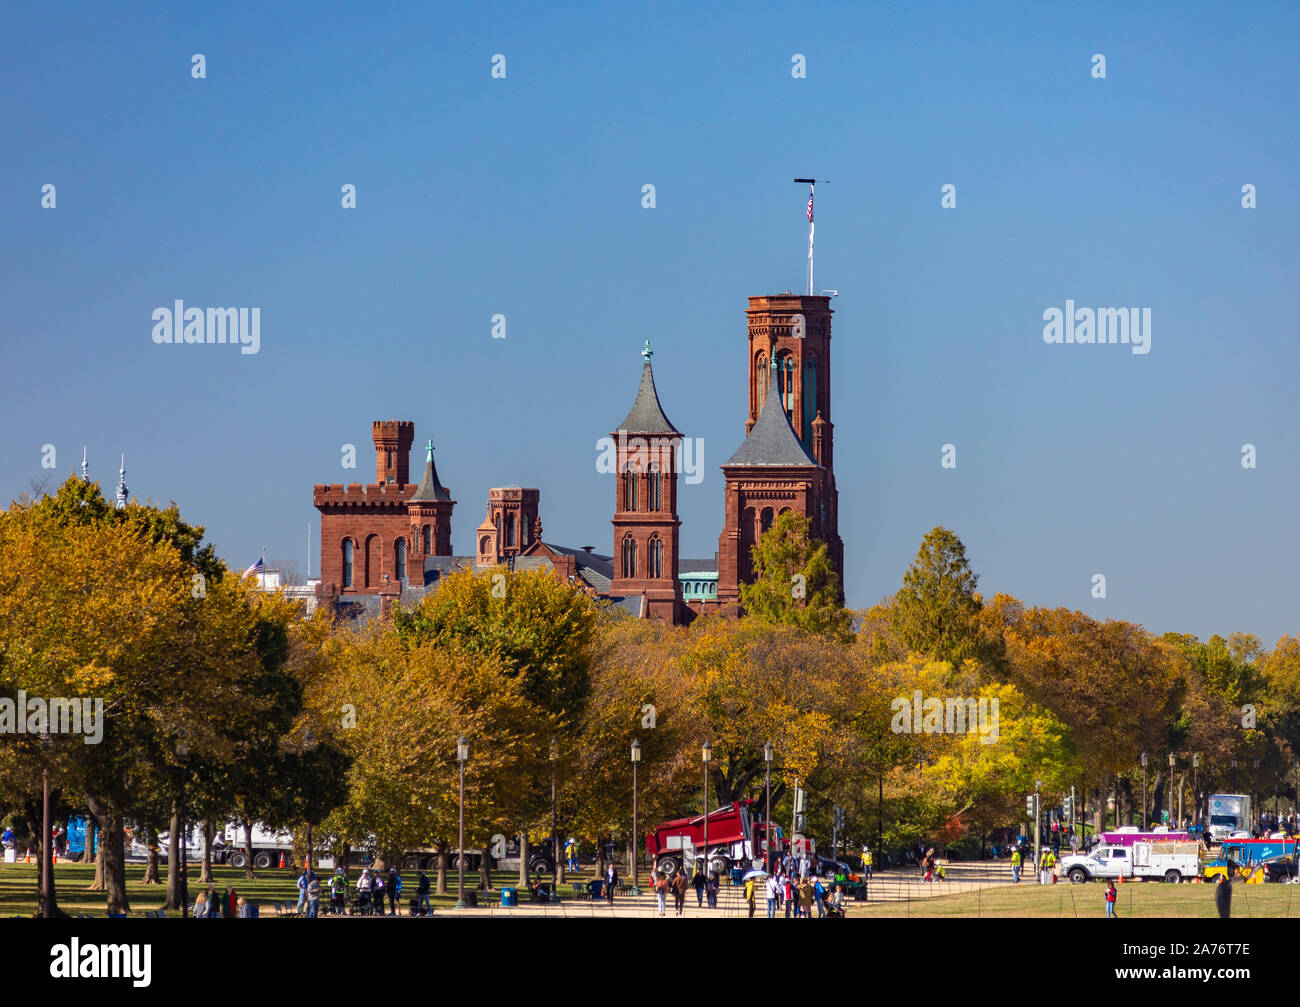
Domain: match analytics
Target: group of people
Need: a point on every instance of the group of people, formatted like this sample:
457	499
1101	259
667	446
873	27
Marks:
797	895
1022	858
931	869
211	904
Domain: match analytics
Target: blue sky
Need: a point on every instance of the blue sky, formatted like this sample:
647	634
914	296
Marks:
522	197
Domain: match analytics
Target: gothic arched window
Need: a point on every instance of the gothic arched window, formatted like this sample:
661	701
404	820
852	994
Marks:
510	529
629	557
809	398
399	559
656	487
785	381
629	490
425	538
347	562
656	557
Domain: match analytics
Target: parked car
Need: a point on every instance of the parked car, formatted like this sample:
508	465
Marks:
828	868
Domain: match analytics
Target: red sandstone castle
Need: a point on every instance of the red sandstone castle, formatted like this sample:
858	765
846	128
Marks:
391	539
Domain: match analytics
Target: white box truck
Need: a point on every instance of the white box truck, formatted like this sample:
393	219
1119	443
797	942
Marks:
1229	813
1170	861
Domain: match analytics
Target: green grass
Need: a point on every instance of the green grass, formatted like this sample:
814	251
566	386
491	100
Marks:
1142	900
19	883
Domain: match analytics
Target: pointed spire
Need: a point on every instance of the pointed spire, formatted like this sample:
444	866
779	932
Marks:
430	488
647	415
772	441
85	472
121	484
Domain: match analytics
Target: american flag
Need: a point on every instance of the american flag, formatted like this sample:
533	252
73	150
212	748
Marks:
810	208
255	568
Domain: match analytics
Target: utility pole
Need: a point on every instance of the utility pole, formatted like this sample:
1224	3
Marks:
1038	820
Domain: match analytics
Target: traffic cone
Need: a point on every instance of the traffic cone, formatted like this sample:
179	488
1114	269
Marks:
1121	879
28	860
282	858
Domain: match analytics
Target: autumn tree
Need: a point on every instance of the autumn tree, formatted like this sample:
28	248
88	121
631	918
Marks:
794	581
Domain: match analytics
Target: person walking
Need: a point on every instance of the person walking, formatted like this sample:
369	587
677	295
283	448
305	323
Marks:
805	898
711	890
819	896
200	908
232	903
611	882
788	896
377	892
338	892
661	892
1015	865
571	853
867	861
749	896
773	888
679	892
1111	895
313	897
302	892
697	882
422	890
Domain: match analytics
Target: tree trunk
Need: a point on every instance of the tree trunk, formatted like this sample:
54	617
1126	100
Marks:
248	852
173	900
1158	802
98	884
485	878
151	867
32	812
209	833
444	859
557	854
600	857
523	860
88	851
112	855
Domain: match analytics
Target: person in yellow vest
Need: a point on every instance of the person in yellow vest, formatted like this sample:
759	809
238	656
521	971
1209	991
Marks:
1015	865
867	861
1045	864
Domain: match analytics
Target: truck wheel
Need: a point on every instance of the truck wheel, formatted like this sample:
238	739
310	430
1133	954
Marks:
238	860
720	866
412	863
541	865
1173	877
1078	875
262	859
667	866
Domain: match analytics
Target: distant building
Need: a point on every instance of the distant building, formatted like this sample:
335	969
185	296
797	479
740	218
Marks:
390	540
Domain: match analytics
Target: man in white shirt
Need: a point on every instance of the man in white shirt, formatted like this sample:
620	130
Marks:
773	893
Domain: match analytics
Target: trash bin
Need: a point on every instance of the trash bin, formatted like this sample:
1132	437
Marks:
471	899
508	898
594	888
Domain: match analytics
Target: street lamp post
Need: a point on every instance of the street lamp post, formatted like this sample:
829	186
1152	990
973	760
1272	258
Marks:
706	754
1254	792
47	875
555	837
1171	789
1196	786
462	756
183	750
636	838
768	753
1234	776
1143	824
309	743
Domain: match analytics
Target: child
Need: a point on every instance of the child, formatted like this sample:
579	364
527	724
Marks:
1110	900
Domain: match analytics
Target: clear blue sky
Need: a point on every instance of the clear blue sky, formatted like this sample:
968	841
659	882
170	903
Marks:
522	197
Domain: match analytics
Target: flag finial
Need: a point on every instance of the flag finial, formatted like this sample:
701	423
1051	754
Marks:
428	449
647	353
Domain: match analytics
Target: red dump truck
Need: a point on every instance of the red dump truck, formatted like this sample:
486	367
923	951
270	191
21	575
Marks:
731	839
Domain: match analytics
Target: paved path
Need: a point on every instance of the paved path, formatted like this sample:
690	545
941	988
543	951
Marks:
888	886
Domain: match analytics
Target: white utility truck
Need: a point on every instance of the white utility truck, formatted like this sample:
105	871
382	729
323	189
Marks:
1172	861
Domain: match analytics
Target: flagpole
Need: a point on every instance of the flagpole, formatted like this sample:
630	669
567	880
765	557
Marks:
812	190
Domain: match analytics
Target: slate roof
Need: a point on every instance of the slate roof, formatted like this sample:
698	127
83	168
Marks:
772	441
430	488
647	416
698	565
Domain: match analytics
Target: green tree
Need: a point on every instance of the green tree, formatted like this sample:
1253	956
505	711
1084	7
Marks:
794	580
936	612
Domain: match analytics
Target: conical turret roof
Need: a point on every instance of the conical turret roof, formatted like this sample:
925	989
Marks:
647	416
772	441
430	489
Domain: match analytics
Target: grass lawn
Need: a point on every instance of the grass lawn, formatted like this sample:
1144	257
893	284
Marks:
19	883
1144	900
